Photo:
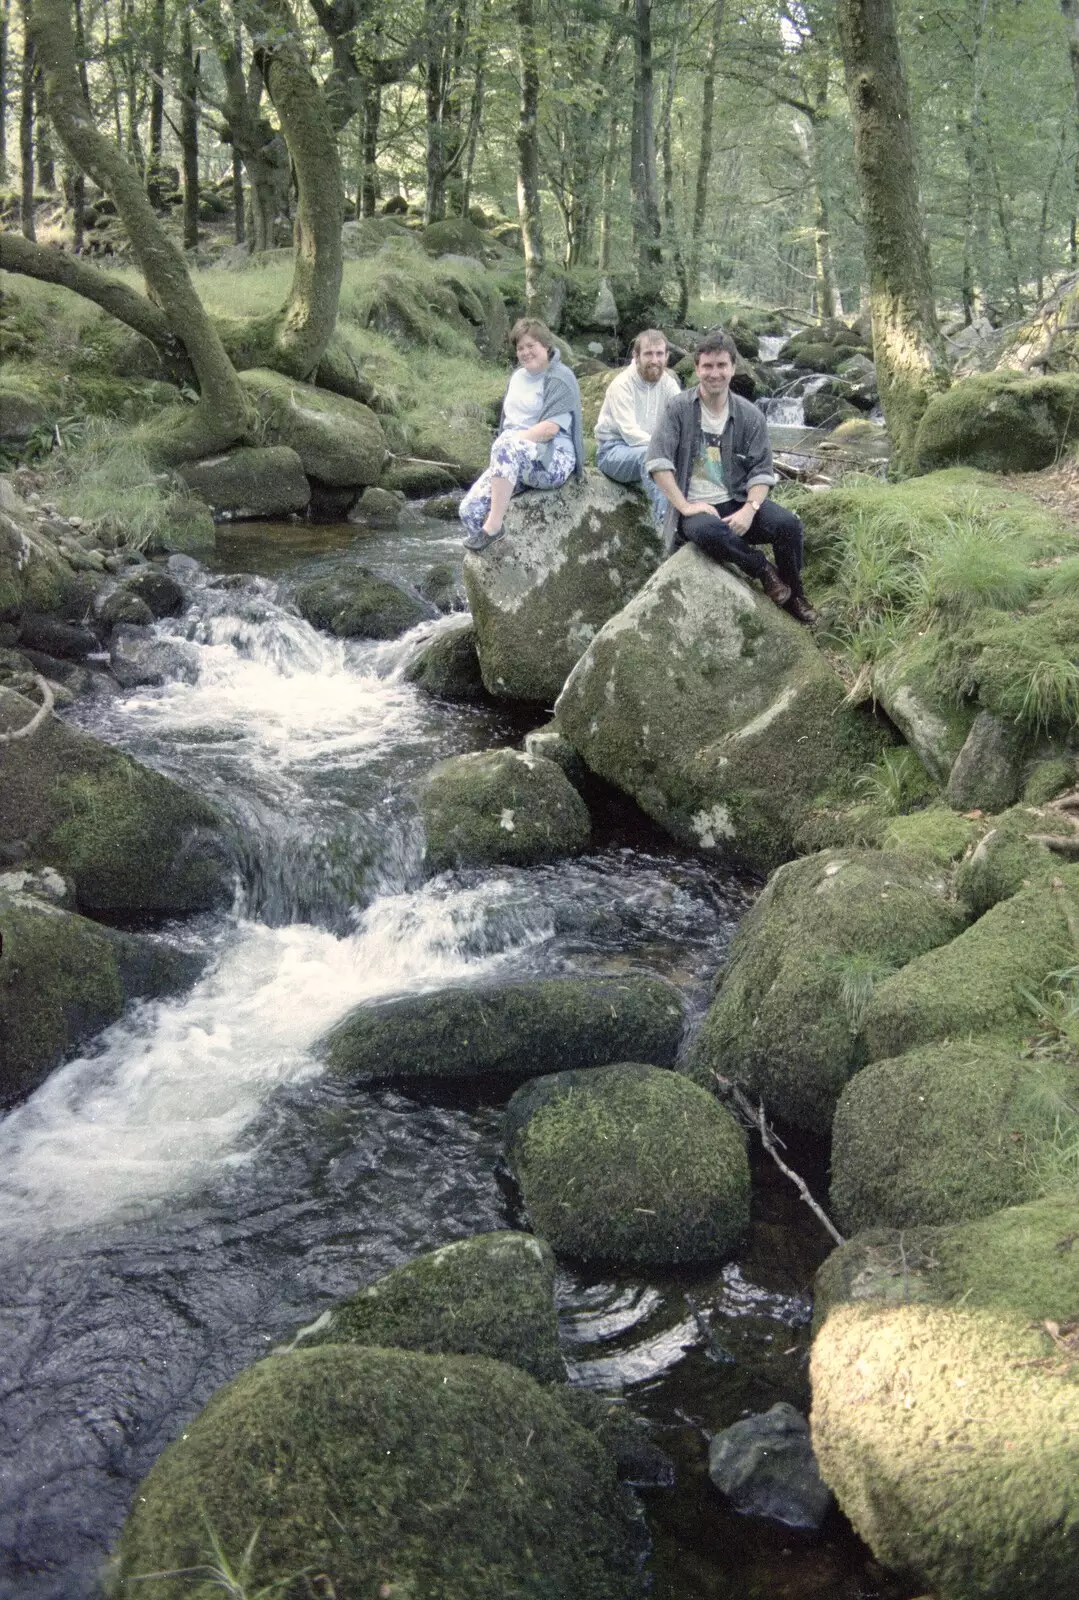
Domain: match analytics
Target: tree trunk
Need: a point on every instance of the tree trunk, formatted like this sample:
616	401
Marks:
237	197
475	123
223	414
46	166
704	159
26	129
669	219
5	45
907	344
528	195
644	184
435	22
372	115
606	219
154	185
189	132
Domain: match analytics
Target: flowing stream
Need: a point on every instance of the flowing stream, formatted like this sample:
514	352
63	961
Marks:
182	1198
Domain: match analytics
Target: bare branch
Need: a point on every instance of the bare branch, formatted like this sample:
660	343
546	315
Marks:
754	1117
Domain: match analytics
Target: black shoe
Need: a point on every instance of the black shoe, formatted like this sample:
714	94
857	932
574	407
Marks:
774	587
801	610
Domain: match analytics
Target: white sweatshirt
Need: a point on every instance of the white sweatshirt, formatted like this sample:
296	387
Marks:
632	408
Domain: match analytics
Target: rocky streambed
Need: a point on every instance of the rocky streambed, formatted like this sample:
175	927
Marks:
195	1187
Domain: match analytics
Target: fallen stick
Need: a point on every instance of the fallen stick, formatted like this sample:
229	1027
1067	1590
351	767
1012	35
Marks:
38	717
755	1118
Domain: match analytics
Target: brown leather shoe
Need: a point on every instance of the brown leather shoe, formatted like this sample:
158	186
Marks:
800	608
774	587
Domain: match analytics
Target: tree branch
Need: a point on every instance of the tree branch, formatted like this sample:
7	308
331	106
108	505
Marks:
127	305
754	1117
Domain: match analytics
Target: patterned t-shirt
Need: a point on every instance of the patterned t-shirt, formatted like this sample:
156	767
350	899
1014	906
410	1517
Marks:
706	481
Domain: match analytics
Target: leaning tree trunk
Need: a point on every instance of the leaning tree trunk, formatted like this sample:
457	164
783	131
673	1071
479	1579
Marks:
222	415
26	130
907	344
528	195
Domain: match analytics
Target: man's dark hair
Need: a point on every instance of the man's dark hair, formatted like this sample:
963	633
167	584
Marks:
533	328
718	342
647	334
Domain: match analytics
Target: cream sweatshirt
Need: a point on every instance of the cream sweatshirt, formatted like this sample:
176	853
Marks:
632	408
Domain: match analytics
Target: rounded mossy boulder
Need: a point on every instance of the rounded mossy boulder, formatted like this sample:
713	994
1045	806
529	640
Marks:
950	1436
693	699
630	1164
802	968
1000	423
63	978
253	481
937	832
500	806
510	1029
386	1472
447	667
491	1295
1011	855
982	982
356	604
946	1401
455	236
132	841
568	561
339	441
949	1132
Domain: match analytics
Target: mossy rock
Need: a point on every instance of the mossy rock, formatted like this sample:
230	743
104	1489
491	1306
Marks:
185	526
500	806
950	1438
937	832
817	357
949	1132
629	1164
133	842
387	1471
509	1030
932	722
447	666
983	980
490	1295
1046	779
454	236
339	441
264	481
416	479
33	574
594	386
1007	857
986	774
1000	423
442	431
62	979
692	700
569	560
945	1413
802	967
357	604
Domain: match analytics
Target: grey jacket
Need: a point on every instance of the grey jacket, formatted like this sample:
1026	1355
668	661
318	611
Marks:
744	448
560	394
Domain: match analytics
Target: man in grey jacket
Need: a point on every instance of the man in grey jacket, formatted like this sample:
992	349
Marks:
711	458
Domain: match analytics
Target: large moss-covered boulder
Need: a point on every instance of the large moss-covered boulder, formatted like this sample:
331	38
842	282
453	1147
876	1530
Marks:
491	1295
500	805
569	560
987	773
949	1132
63	978
983	980
511	1030
945	1417
387	1472
629	1164
133	842
447	666
455	236
1000	423
263	481
339	441
934	726
715	711
357	604
802	967
33	574
1011	854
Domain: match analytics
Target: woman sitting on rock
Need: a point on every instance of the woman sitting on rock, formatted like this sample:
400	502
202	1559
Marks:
540	440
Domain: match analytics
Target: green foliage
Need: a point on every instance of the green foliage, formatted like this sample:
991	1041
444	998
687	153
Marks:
107	479
894	783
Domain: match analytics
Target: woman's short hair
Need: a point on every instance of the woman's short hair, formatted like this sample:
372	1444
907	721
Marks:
533	328
716	343
646	336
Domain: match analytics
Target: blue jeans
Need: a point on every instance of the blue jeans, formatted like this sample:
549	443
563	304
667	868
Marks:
625	464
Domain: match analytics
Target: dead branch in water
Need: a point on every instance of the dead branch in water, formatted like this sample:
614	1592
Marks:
754	1117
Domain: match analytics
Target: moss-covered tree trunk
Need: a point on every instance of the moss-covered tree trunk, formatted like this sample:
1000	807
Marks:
907	344
223	414
704	158
643	178
26	131
189	132
528	195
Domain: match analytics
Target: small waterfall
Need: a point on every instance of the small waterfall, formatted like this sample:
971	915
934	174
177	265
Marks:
771	345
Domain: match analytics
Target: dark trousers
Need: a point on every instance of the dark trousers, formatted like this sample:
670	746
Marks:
773	525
